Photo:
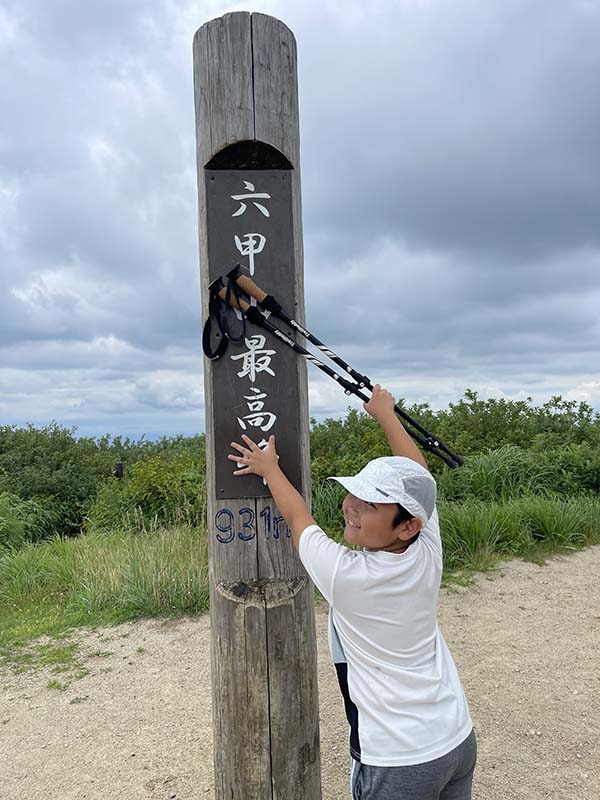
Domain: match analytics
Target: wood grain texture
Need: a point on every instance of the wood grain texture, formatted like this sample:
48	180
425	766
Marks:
241	719
275	86
264	676
230	83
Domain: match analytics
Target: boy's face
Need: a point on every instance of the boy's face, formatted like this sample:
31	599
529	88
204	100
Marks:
370	525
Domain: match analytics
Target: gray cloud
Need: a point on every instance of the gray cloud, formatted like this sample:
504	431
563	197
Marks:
449	162
461	130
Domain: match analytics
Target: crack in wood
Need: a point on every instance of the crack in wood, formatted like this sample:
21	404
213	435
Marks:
263	592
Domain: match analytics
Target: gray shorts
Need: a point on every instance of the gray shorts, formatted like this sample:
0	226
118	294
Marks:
446	778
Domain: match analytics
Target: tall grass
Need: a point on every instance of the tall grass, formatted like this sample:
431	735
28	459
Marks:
500	474
327	499
147	574
476	534
102	578
472	534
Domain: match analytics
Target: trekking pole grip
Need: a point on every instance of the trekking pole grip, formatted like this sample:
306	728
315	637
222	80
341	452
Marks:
248	286
250	312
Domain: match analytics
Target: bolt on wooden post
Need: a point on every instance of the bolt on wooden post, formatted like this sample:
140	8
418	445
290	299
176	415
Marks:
264	676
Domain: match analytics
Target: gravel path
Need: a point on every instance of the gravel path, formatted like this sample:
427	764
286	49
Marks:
526	641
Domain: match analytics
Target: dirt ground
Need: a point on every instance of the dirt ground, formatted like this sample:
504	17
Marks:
526	641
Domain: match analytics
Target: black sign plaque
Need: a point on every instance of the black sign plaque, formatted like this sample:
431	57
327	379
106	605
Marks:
249	221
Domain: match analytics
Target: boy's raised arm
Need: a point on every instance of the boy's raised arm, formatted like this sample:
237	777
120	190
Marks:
381	407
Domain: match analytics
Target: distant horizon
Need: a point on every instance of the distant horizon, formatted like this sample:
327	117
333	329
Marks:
155	435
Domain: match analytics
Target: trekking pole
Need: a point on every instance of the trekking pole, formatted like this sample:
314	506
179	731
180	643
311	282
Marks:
269	303
252	313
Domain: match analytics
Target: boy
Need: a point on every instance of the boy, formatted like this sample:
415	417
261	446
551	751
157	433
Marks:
411	735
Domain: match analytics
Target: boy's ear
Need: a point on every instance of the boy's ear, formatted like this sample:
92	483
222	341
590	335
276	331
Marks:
410	528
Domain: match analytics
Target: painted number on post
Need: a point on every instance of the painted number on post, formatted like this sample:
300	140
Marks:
279	528
244	526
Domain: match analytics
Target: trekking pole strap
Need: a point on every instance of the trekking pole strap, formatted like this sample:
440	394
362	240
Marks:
218	315
214	315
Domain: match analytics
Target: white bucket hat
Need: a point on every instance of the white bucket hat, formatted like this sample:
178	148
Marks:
394	479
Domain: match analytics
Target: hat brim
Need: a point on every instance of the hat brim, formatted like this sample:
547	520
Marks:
358	488
369	494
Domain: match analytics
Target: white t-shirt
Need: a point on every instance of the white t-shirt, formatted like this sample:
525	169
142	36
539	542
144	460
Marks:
403	696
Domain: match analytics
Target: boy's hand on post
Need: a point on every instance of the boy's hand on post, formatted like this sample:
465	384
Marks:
288	500
255	461
381	405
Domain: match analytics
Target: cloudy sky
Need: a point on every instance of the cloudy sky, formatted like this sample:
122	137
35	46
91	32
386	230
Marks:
450	171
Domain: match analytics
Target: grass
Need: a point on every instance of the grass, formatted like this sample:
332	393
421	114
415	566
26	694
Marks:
99	579
503	474
477	535
327	507
103	578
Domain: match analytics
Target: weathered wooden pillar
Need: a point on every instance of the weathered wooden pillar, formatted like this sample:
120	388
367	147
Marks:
266	733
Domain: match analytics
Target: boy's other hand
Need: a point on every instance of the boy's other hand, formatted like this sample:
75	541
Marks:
254	460
381	405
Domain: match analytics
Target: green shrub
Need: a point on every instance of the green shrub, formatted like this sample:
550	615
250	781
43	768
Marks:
342	447
13	525
108	510
159	488
50	467
24	521
59	475
575	468
472	425
164	488
47	462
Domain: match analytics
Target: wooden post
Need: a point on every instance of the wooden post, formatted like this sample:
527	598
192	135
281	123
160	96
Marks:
264	676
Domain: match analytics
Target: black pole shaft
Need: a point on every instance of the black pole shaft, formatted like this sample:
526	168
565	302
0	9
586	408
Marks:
364	381
429	443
